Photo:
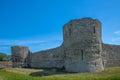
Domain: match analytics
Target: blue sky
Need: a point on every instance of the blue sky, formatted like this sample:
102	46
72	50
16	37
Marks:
38	23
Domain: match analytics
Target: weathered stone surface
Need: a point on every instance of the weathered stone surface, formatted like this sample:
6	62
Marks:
52	58
111	55
20	56
81	50
82	44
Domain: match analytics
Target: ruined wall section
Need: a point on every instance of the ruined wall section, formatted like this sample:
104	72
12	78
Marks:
82	50
20	56
52	58
111	55
82	45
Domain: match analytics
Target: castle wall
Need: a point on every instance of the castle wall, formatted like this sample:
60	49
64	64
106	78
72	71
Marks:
82	45
52	58
82	50
111	55
20	56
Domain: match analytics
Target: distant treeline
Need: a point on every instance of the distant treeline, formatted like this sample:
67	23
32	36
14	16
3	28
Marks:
5	57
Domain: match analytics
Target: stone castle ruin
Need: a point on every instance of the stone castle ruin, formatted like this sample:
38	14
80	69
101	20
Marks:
81	51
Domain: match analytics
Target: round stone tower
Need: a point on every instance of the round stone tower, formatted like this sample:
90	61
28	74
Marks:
20	56
83	45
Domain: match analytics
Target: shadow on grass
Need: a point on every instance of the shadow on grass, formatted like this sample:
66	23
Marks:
1	68
47	72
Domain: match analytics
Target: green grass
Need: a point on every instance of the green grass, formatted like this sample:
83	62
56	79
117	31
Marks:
47	74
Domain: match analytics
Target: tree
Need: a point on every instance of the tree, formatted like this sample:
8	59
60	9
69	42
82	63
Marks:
7	58
4	57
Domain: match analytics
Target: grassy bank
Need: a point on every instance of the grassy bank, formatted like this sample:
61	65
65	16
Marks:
37	74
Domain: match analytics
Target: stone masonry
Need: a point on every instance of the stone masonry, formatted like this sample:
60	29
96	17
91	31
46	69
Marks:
81	51
20	56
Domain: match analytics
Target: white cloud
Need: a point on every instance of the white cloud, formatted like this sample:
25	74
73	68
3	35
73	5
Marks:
4	47
34	45
116	39
6	44
117	32
19	42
